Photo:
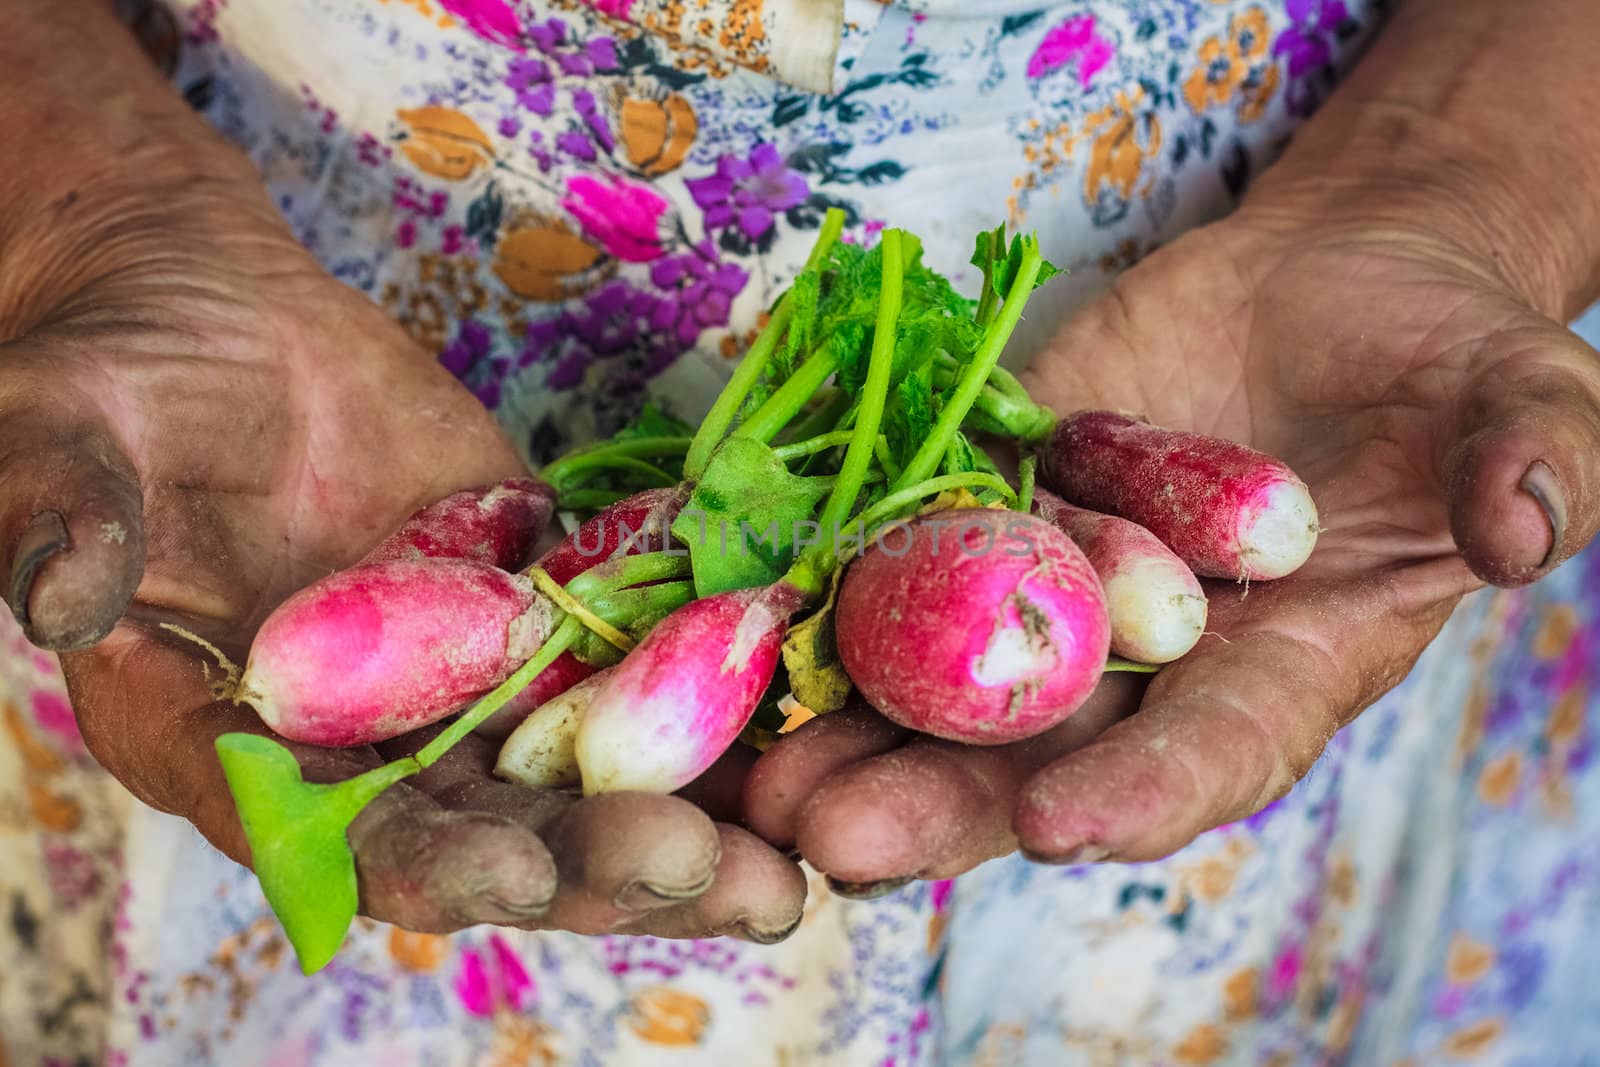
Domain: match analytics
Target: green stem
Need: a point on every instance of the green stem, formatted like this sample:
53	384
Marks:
617	574
830	404
565	634
975	374
1025	476
791	398
580	465
875	390
584	459
810	447
749	371
880	448
1017	416
623	608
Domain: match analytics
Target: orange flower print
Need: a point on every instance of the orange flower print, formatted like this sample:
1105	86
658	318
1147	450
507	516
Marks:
443	142
665	1016
1239	994
544	261
1239	70
658	134
1124	135
421	953
1498	782
1203	1045
1473	1041
1468	960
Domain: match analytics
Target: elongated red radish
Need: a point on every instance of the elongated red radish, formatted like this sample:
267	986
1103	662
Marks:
1226	510
677	701
498	524
1155	604
977	625
542	752
377	651
630	527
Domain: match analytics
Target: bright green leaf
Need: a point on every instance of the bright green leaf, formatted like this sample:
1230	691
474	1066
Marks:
298	846
740	523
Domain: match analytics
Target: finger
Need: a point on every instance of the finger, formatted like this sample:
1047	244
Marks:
719	792
934	808
1229	728
1523	475
616	856
757	895
145	712
72	547
788	773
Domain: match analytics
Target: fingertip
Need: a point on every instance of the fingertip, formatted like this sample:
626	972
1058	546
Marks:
788	774
1509	509
72	577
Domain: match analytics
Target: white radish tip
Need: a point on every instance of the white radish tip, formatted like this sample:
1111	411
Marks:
1155	618
1278	539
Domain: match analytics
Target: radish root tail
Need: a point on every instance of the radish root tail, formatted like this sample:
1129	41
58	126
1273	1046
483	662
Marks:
227	686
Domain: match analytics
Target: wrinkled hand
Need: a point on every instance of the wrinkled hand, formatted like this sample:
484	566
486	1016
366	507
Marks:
205	423
1450	434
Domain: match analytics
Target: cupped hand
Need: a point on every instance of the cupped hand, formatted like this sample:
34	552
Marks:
1450	433
200	424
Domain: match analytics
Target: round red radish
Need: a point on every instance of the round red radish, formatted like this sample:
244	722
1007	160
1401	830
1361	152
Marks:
1227	511
377	651
1155	603
977	625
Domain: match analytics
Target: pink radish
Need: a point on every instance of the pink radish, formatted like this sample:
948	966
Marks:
976	625
497	524
542	751
377	651
1226	510
677	701
629	527
1155	603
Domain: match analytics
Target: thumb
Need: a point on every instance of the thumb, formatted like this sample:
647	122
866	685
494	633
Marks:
1523	475
72	546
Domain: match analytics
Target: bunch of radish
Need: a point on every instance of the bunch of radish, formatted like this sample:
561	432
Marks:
835	523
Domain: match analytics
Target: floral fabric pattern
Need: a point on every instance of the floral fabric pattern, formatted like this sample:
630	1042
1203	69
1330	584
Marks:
581	204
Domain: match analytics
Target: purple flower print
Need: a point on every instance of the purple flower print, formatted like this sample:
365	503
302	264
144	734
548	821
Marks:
701	292
748	193
469	358
1308	43
530	80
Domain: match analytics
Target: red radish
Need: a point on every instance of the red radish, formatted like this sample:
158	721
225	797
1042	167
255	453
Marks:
629	527
1155	603
377	651
497	524
542	752
976	625
1227	511
677	701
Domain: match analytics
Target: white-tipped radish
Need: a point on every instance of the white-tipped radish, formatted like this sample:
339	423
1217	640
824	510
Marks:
678	700
1155	603
1226	510
542	752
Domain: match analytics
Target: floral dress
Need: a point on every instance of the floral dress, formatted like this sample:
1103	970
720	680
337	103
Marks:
583	205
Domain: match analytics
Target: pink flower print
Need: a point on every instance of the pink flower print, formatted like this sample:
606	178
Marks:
1074	38
54	715
494	980
493	20
617	9
622	217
